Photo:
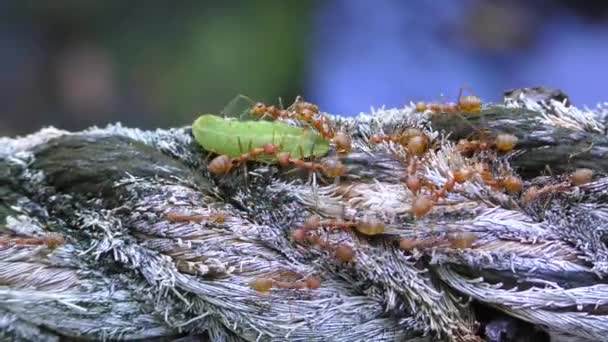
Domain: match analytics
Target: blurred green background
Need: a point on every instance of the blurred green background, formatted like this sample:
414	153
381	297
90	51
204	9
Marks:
160	63
151	63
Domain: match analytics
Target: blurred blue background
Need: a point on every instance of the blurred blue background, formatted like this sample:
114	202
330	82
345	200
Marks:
75	63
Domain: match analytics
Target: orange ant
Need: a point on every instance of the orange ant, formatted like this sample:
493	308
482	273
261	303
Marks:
578	177
265	284
412	181
503	143
368	225
222	164
423	204
533	192
174	217
510	183
304	112
467	104
343	252
416	142
51	241
331	167
459	240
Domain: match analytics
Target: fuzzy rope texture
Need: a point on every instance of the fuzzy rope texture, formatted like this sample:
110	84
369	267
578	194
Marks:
88	248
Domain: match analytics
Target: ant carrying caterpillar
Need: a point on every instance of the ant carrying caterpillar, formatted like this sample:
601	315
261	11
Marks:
218	135
309	114
228	137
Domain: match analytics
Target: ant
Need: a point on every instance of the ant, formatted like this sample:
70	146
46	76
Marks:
174	217
307	113
331	167
223	164
578	177
502	143
416	142
468	104
368	225
51	241
265	284
458	240
510	183
422	203
305	235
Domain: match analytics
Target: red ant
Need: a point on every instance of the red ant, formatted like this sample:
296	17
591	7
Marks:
503	143
467	104
416	142
220	217
343	252
368	225
265	284
222	164
459	240
51	241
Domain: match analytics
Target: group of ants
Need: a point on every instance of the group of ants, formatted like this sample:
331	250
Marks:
415	142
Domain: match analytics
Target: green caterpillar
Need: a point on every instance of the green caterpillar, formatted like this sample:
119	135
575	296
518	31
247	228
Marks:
233	138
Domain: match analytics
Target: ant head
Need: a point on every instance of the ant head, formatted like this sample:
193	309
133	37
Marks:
220	165
258	109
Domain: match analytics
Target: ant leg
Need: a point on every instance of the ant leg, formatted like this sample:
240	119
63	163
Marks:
301	152
459	96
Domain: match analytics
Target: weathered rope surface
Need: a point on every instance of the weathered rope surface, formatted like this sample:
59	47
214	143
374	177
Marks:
126	271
